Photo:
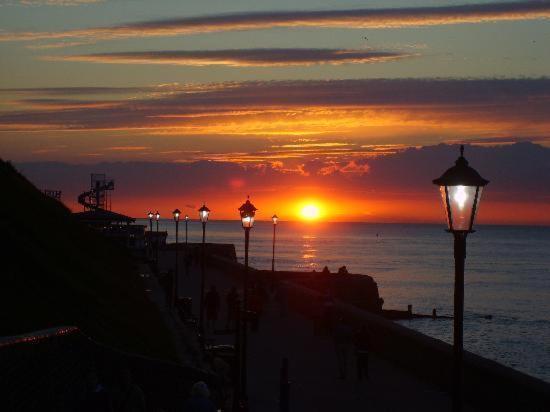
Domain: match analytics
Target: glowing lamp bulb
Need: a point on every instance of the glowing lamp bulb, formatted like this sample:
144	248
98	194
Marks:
204	212
460	196
176	214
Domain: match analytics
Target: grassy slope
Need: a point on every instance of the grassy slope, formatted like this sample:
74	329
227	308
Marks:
54	271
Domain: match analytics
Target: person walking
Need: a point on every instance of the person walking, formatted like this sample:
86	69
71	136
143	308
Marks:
200	399
231	300
343	339
129	397
362	343
212	304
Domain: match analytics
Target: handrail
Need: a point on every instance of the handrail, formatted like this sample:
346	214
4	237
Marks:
37	336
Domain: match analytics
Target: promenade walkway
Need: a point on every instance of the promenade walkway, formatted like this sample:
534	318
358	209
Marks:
315	382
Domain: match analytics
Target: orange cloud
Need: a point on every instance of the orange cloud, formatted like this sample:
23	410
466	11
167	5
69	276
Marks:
287	121
239	57
358	19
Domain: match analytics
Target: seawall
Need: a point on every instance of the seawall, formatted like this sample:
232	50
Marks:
488	385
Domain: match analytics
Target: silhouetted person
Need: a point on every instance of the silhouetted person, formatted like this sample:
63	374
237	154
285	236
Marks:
281	299
95	397
231	299
328	316
343	270
263	294
258	300
212	304
187	263
362	342
130	397
199	400
343	339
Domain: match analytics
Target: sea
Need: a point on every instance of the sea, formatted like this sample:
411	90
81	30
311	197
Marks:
507	276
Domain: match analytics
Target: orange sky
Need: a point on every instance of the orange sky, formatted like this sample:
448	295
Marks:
334	206
353	108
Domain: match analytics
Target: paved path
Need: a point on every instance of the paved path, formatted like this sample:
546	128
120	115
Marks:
187	348
313	367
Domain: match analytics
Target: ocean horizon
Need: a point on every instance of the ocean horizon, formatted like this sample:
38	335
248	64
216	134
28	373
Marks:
507	278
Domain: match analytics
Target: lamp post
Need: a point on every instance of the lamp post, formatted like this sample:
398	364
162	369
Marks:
176	214
204	212
150	216
247	212
460	188
157	218
275	220
150	246
186	222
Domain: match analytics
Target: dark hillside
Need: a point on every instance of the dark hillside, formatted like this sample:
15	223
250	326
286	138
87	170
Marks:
54	271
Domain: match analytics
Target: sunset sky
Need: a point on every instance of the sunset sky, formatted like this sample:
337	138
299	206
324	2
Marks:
350	105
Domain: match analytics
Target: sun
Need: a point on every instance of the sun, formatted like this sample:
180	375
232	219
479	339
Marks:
310	212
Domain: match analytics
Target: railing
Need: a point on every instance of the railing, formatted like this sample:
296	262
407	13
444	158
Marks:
46	370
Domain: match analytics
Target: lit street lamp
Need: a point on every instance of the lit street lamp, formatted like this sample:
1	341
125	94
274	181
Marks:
150	216
460	188
157	218
186	222
176	214
247	212
204	212
275	220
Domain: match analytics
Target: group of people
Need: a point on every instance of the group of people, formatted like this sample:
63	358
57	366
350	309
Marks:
347	339
127	396
257	299
341	270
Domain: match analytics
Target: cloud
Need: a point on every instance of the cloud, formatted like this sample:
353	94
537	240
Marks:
60	104
518	174
58	45
475	108
354	18
57	2
240	57
64	91
128	148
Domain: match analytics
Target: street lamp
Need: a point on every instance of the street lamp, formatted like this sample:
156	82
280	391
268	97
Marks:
247	212
176	214
157	218
460	188
186	222
204	212
150	216
275	220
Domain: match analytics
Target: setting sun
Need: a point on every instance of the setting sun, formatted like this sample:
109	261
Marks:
310	212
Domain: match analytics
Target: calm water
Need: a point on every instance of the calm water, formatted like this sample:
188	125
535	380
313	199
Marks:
507	276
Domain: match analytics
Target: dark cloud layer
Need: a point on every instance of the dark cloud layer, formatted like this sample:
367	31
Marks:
518	172
239	57
509	103
358	18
